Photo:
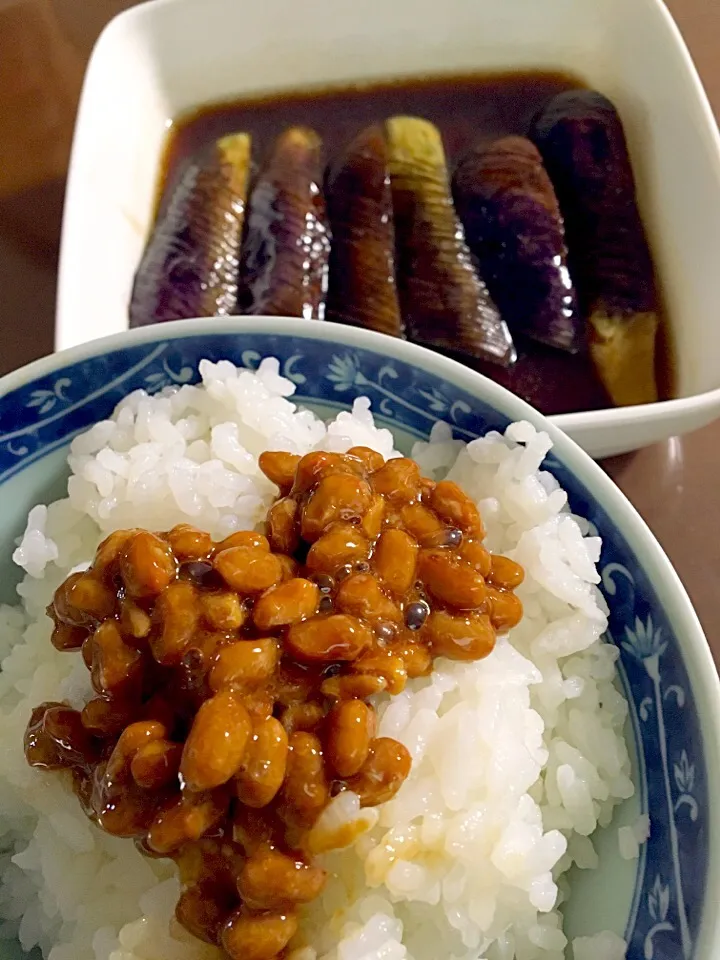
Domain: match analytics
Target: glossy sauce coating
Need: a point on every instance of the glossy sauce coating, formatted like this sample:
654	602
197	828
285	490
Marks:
470	111
444	299
233	680
363	289
514	227
582	141
284	260
190	265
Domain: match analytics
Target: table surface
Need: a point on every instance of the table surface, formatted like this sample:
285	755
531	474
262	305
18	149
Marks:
673	485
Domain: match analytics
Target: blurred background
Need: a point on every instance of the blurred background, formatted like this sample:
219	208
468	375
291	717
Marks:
44	49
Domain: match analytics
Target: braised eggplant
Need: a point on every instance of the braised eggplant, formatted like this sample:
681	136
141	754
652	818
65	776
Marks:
514	228
582	143
444	302
190	264
362	289
509	268
286	249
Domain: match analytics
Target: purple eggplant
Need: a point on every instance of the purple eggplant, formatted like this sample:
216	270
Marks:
362	289
444	302
582	142
285	254
514	228
190	264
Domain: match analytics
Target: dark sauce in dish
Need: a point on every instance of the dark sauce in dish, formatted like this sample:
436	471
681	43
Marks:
469	111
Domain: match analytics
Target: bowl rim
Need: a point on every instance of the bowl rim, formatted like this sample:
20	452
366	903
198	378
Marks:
702	672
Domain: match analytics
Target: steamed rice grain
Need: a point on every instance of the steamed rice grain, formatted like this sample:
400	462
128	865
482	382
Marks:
516	759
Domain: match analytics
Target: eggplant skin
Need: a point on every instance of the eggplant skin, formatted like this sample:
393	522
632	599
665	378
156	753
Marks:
362	289
444	301
582	142
514	227
190	265
286	250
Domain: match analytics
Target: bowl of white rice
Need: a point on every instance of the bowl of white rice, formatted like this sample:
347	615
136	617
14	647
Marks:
558	800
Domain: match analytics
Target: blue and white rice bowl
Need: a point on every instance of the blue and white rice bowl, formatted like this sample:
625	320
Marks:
560	788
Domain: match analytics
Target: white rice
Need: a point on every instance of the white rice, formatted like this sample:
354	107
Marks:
516	759
631	838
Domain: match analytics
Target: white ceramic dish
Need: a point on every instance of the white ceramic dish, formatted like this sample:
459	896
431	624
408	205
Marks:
163	58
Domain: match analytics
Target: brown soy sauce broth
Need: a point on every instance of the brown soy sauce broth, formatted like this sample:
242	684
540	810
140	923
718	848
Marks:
468	110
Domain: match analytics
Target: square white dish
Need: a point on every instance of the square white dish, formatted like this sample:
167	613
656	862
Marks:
163	58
